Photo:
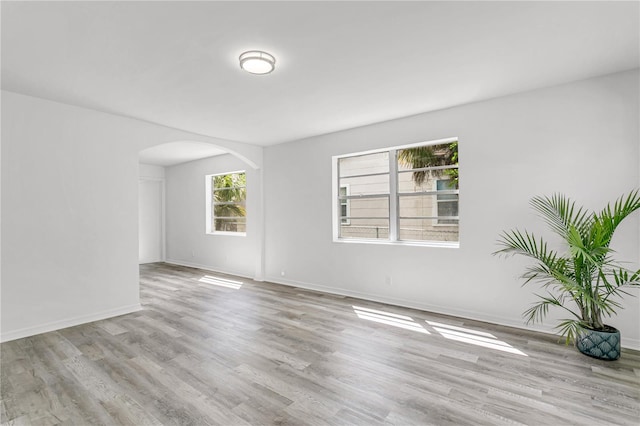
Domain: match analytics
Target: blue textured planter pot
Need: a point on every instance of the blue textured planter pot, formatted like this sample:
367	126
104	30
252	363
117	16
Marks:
599	344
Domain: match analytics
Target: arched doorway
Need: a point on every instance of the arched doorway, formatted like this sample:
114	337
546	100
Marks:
170	175
152	191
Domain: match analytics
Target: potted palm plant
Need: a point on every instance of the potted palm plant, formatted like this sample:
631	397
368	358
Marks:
584	281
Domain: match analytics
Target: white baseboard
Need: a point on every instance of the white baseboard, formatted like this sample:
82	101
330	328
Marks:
476	316
68	322
625	342
207	268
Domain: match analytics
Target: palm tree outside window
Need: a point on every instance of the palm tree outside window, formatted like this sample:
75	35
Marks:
228	202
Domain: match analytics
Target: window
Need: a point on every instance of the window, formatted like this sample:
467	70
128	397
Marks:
226	203
367	212
345	205
405	193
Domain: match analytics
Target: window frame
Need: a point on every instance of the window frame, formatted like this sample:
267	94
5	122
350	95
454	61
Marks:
394	198
209	214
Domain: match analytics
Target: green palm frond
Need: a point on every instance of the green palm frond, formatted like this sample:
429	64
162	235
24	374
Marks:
586	274
623	276
430	156
570	329
229	193
539	310
523	243
419	157
560	213
609	219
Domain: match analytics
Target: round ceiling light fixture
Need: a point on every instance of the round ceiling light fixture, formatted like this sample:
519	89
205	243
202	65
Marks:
257	62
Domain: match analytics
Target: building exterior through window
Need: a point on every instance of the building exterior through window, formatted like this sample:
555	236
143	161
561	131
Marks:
400	194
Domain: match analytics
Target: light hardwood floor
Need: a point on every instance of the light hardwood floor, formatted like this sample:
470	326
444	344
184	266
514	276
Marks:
203	351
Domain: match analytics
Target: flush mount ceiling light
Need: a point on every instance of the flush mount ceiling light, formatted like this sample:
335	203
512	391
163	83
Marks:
257	62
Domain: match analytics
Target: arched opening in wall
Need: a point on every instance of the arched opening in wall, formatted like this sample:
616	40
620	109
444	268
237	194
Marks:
183	218
153	164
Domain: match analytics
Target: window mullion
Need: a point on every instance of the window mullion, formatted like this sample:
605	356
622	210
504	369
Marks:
394	221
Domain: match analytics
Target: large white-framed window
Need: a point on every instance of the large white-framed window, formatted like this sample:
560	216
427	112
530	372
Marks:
401	194
226	205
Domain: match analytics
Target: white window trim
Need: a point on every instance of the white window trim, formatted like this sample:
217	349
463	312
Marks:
394	219
208	202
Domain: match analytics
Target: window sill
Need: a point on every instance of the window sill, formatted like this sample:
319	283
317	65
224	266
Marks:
435	244
232	234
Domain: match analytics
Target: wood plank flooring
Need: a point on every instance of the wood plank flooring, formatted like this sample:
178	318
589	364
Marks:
221	350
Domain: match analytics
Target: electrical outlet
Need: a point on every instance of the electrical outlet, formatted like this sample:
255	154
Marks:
388	280
282	273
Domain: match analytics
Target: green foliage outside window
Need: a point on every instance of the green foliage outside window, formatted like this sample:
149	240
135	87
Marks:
229	193
431	156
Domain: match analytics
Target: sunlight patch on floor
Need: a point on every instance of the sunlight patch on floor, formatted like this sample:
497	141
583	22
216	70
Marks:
396	320
474	337
222	282
461	329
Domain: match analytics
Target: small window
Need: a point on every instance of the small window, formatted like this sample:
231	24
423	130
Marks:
226	203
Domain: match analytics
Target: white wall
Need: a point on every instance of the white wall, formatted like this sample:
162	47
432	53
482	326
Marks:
69	246
70	212
187	241
70	208
151	239
150	221
581	139
151	171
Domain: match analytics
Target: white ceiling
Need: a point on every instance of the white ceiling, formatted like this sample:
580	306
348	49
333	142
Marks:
339	64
